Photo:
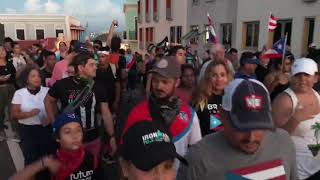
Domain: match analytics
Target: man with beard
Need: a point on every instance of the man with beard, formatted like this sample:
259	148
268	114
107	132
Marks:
165	110
249	147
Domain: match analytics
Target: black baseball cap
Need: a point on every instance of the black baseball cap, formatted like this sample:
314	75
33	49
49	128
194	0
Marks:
247	104
146	146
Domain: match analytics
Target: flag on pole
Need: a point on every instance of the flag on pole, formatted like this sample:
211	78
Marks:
268	170
277	51
212	34
272	25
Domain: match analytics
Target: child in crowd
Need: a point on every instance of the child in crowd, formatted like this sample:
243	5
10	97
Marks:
71	160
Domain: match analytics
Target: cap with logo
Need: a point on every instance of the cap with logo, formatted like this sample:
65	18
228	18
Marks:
304	65
147	146
62	120
247	104
168	67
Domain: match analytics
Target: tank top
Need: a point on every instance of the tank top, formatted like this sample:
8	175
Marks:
304	128
302	136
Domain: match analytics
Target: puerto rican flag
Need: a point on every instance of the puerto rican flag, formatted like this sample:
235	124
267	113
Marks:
212	34
277	51
131	62
272	25
272	170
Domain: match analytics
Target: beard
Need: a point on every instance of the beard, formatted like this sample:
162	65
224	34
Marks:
163	96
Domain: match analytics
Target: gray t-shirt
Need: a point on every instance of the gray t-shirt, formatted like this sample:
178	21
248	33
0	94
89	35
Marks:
214	158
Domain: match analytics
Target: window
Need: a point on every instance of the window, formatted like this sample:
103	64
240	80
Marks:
155	10
283	27
147	11
226	34
147	37
172	34
39	34
251	35
179	34
20	34
207	35
141	38
195	2
308	34
59	31
195	39
135	28
151	35
139	12
124	34
168	10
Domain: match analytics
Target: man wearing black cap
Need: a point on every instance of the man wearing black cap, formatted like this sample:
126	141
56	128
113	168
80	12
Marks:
80	95
248	66
165	109
148	153
249	147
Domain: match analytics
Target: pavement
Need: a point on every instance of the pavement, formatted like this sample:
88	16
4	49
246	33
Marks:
11	157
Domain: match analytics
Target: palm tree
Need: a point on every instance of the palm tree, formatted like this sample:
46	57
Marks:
316	128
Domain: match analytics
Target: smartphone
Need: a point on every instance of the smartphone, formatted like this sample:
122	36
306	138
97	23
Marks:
7	76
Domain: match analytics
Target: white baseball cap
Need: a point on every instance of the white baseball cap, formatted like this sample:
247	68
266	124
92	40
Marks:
304	65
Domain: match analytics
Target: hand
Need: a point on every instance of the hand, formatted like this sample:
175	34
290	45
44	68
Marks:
34	112
4	78
113	145
52	164
45	122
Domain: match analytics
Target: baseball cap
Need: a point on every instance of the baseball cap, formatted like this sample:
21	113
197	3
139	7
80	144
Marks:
252	60
146	146
80	47
167	66
304	65
62	120
247	104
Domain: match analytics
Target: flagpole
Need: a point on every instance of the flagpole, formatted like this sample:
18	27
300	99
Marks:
284	52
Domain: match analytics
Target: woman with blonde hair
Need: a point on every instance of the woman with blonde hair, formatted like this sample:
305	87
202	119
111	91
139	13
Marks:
207	98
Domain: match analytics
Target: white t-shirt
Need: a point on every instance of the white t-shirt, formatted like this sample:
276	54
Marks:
28	102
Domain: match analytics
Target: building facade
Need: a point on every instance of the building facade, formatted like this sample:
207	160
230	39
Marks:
130	10
158	19
36	27
242	24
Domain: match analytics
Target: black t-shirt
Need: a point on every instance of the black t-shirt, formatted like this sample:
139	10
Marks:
261	72
44	76
107	79
209	117
6	70
67	89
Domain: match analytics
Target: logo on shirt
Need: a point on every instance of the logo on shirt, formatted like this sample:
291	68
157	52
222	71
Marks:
157	136
253	102
87	175
183	116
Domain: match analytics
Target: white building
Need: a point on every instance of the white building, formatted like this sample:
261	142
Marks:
243	23
35	27
160	18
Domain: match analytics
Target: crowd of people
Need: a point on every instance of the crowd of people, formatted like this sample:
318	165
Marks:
76	113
